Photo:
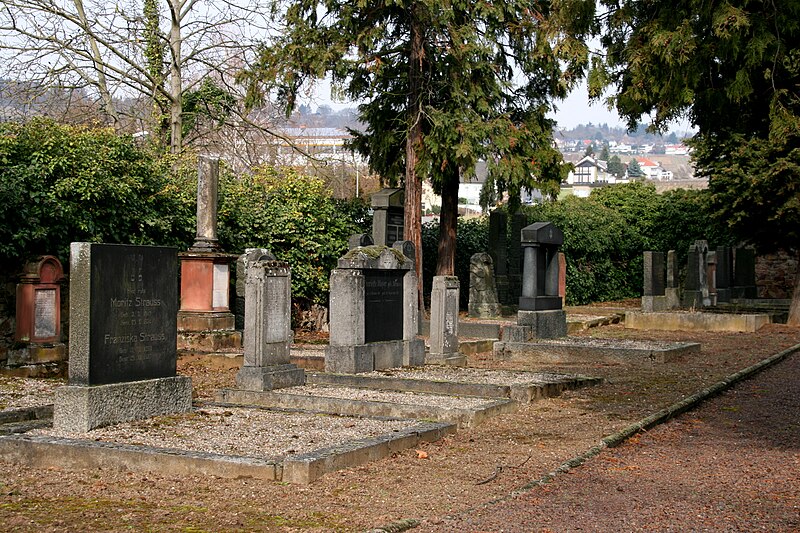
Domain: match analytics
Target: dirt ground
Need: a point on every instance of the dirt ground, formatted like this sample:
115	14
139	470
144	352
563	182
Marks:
460	473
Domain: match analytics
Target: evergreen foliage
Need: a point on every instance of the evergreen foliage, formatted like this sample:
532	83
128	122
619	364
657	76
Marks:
445	84
734	69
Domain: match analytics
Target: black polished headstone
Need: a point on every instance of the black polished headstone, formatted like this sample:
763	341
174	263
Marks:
133	313
383	305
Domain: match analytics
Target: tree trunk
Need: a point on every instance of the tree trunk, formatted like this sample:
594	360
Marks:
102	83
412	228
175	82
794	310
446	258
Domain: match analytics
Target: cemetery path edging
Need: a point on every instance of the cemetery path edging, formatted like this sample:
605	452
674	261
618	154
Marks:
616	439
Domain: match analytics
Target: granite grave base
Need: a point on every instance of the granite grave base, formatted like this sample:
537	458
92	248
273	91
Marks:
354	359
83	408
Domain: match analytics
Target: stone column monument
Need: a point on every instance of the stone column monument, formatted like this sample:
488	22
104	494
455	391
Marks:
205	322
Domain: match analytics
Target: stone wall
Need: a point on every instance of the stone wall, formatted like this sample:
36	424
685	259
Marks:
775	274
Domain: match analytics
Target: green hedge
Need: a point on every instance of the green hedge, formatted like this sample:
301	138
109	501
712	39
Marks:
60	184
604	237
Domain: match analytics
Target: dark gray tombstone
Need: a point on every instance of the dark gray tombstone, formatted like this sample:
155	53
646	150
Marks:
498	250
359	239
695	289
374	311
540	242
123	330
653	296
387	218
744	273
724	275
483	298
654	282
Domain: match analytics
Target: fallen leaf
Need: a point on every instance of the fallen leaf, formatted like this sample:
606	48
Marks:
421	454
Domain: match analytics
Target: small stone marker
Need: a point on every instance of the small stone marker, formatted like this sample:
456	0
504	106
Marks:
744	272
122	345
653	297
695	290
483	297
373	311
359	239
724	274
249	256
267	328
444	323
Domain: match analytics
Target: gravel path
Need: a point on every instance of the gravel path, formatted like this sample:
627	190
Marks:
733	464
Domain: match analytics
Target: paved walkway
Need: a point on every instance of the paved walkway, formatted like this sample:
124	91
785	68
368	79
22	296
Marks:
732	464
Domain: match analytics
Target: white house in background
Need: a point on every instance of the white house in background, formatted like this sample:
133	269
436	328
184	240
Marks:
588	174
653	170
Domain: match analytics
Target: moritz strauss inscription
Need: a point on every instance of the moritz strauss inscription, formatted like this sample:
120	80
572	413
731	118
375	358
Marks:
133	313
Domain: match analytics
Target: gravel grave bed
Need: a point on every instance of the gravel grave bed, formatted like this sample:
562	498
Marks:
610	343
245	432
19	393
409	398
472	375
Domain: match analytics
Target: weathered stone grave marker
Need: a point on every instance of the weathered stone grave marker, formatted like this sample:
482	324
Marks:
122	343
653	296
444	323
744	272
388	218
205	321
39	350
373	311
695	289
267	328
483	297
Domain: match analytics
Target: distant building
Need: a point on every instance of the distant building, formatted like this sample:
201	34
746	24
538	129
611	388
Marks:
653	170
589	173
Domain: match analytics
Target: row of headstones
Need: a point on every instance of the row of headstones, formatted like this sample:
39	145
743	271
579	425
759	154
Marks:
712	277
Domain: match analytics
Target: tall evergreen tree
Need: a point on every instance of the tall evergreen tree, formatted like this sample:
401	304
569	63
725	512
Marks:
734	69
443	85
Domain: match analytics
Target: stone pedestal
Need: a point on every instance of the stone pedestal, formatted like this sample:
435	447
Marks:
267	329
544	324
444	323
205	322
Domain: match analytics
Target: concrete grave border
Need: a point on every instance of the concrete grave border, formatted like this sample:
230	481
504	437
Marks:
545	352
525	392
74	454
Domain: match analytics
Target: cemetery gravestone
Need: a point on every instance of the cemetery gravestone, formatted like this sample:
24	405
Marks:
671	292
483	297
498	250
724	274
123	359
249	256
695	290
267	331
653	296
444	322
540	314
373	311
744	272
387	219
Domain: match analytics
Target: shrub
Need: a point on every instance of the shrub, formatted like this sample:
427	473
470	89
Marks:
293	216
60	184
